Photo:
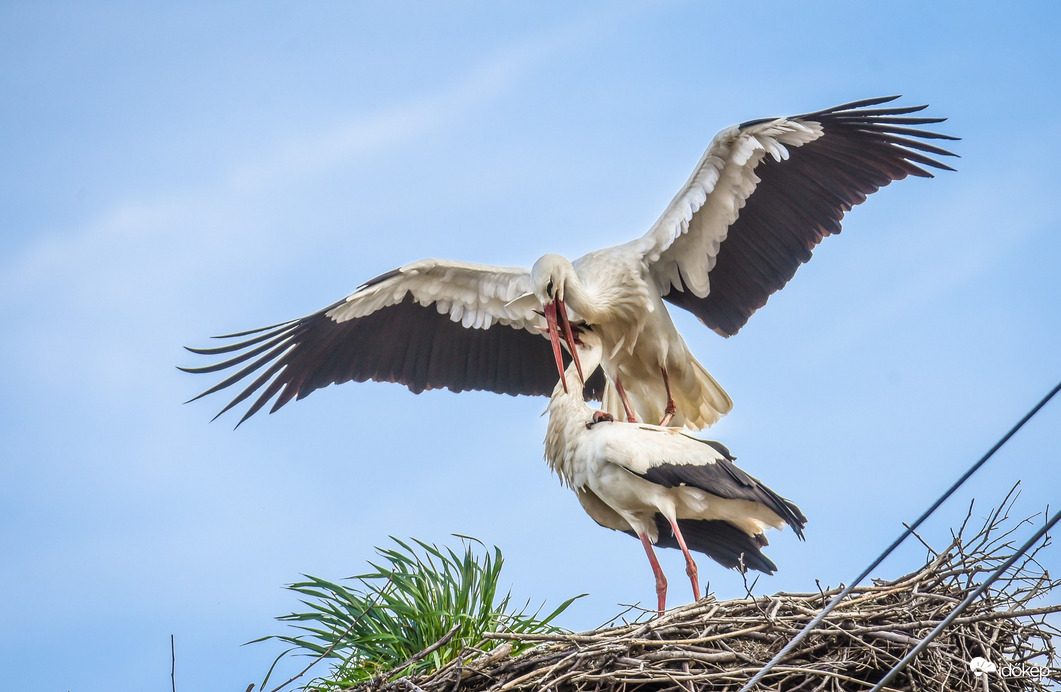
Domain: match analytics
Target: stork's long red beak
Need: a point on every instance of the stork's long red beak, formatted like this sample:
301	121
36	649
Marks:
561	311
556	312
554	337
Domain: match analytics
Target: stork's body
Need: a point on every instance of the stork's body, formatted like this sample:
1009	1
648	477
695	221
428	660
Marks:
763	196
660	484
647	361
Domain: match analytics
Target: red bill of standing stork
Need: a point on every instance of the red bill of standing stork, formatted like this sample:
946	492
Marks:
761	198
660	484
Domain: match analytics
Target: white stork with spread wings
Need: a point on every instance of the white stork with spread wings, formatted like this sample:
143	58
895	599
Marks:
659	484
762	197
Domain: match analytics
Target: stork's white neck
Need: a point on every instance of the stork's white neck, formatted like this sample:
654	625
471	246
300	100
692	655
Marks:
581	300
568	418
610	290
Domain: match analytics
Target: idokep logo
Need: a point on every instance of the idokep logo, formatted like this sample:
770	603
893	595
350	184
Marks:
982	669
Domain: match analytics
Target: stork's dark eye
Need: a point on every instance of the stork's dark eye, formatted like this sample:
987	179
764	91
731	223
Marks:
549	288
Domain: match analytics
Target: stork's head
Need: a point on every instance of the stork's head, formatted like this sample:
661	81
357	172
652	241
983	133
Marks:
549	276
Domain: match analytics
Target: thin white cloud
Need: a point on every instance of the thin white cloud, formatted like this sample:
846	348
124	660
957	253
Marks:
402	123
124	277
198	210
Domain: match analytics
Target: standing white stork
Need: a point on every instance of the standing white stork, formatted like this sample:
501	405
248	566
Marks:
762	197
660	484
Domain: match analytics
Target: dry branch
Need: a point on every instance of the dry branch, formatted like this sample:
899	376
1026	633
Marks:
718	645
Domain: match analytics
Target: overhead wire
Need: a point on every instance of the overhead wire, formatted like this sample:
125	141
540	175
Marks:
906	660
911	528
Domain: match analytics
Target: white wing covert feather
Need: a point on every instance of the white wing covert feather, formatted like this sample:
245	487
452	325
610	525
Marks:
682	245
476	296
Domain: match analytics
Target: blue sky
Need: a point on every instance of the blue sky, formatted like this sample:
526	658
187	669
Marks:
170	172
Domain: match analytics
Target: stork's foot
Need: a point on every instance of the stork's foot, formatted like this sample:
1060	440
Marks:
600	417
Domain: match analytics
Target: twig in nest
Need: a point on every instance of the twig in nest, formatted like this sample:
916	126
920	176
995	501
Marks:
718	645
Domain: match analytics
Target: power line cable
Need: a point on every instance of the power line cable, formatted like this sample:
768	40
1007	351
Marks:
906	534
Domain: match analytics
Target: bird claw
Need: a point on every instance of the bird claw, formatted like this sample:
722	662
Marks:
600	417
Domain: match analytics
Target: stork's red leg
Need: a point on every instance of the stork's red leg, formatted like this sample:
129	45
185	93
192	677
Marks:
690	565
661	580
626	402
668	413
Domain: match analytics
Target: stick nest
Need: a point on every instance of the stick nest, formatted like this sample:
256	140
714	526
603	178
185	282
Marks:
719	645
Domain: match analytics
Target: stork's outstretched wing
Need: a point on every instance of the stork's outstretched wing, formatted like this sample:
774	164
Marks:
765	194
428	325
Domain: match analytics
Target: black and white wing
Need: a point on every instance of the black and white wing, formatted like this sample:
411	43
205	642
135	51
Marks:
672	459
720	477
428	325
720	540
765	194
